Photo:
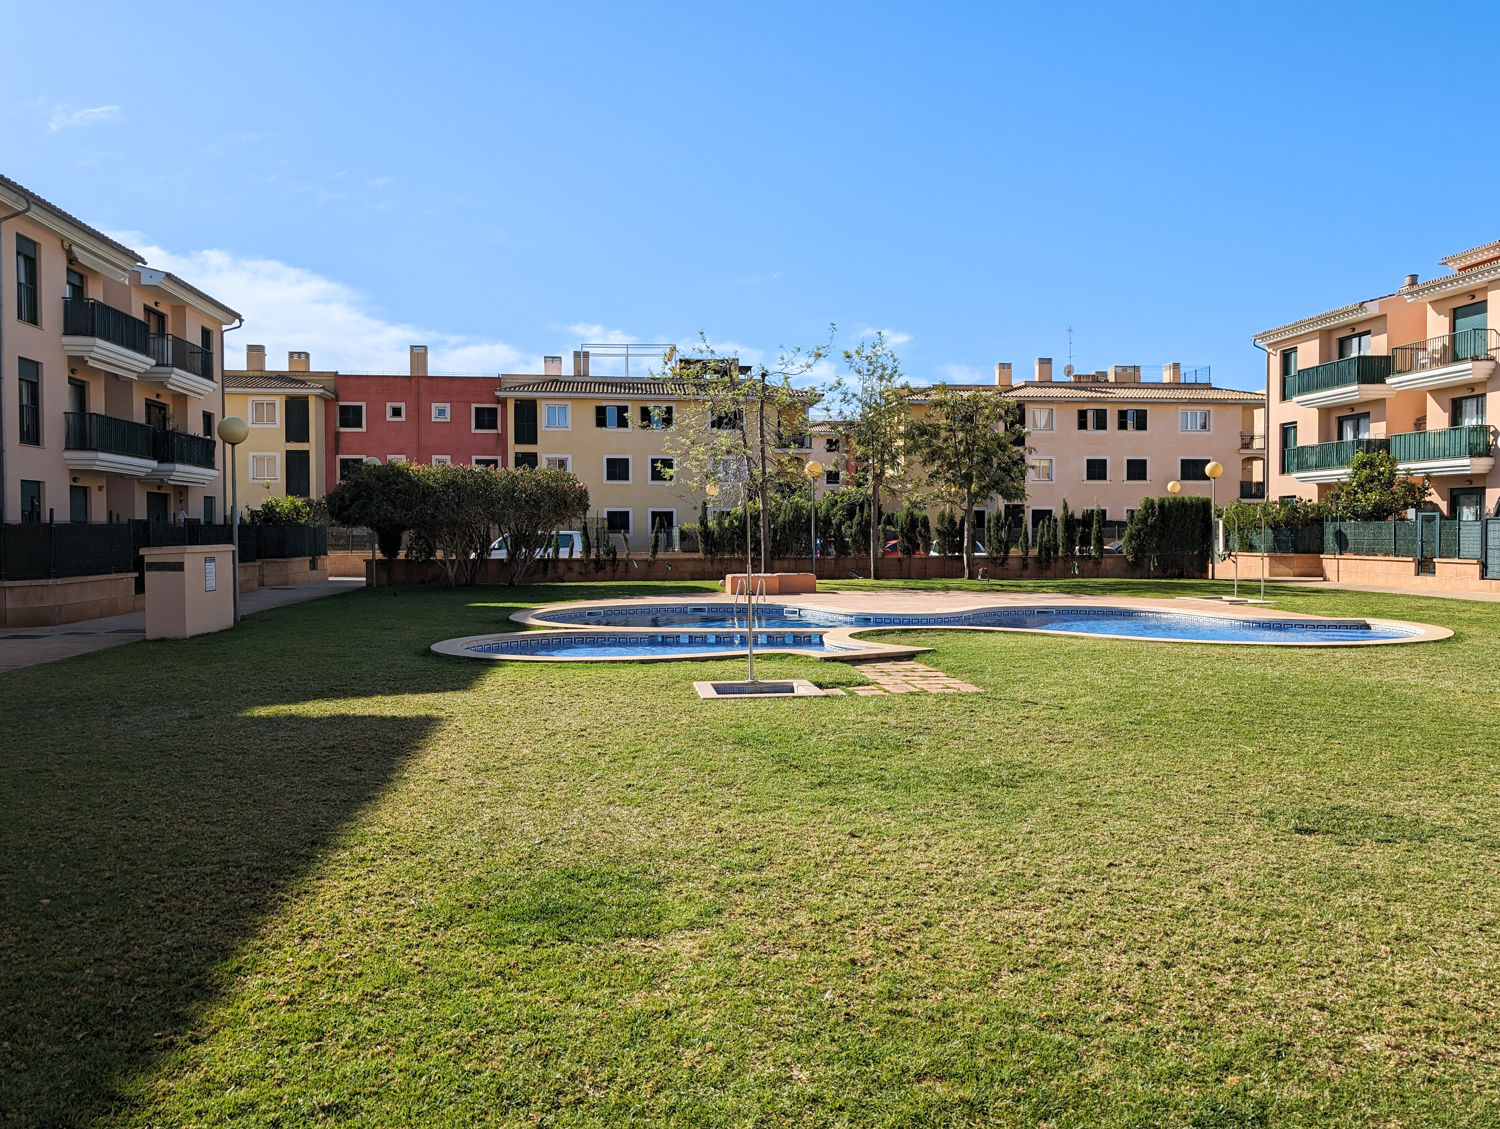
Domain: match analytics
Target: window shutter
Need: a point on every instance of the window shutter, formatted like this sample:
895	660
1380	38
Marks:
1122	420
645	416
599	414
1083	419
1140	419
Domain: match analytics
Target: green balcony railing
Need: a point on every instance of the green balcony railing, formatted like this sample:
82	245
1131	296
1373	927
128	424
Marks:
1472	441
1450	349
86	317
1346	371
1326	456
180	447
90	431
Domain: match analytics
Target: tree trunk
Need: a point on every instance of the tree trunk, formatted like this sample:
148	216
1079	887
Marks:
875	546
968	536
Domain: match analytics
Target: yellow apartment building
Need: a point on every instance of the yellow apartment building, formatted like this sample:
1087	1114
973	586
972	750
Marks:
288	419
109	371
1410	372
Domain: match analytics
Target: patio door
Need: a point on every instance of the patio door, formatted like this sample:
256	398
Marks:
1470	331
1427	542
158	507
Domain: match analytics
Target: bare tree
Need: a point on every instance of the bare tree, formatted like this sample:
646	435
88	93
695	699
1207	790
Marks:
873	404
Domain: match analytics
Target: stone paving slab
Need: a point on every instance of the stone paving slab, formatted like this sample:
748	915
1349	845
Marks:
908	677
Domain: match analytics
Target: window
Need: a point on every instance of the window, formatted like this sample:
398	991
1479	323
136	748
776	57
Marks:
208	425
299	474
1037	517
349	465
1288	436
1135	470
78	397
1041	470
612	415
1466	505
441	413
486	417
395	412
263	413
440	460
617	521
1194	421
558	462
31	500
617	468
392	460
525	430
1355	345
208	509
726	420
77	290
30	381
558	418
351	417
1192	470
1096	470
265	468
1354	427
1041	419
156	321
1289	362
831	477
487	461
662	521
1132	419
27	307
206	339
656	417
1466	410
831	443
662	469
1093	419
297	411
526	460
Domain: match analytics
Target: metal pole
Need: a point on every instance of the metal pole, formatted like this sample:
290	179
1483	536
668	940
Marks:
1236	558
374	575
749	589
234	525
1213	528
812	525
1265	551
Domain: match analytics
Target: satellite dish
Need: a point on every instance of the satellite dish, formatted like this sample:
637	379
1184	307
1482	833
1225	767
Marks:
1068	371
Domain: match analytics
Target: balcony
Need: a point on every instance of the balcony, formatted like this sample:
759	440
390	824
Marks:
183	459
1466	357
1465	450
1252	443
1252	491
180	365
1344	381
97	442
106	338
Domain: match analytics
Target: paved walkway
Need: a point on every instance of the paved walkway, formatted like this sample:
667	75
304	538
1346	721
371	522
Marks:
908	678
30	646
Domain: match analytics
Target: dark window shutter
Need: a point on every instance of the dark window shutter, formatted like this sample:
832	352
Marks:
299	474
1121	421
1140	419
297	416
1083	419
525	422
645	416
599	416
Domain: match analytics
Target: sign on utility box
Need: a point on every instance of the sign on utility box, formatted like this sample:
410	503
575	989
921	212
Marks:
183	593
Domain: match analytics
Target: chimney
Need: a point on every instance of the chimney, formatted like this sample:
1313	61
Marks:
255	358
1002	374
580	363
1124	374
1044	369
551	366
1171	373
298	361
1411	282
419	360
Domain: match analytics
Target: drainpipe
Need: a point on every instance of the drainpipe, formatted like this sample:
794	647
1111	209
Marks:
224	411
4	482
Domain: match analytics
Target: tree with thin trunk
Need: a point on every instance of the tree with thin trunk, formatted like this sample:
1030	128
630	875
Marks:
873	402
972	446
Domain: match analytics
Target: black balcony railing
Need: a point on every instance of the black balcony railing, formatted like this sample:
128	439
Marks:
1366	369
1450	349
1252	441
1472	441
170	351
86	317
1252	490
90	431
180	447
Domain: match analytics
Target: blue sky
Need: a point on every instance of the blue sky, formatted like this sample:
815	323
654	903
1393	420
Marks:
502	181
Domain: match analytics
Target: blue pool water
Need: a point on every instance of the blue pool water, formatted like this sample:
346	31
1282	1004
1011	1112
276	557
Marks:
584	645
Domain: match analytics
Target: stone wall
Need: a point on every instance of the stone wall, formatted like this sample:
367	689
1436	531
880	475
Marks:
47	603
1352	568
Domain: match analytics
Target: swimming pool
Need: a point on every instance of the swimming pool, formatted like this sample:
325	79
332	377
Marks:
717	629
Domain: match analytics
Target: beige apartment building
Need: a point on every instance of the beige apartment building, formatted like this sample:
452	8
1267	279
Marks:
1106	439
1409	372
288	415
109	375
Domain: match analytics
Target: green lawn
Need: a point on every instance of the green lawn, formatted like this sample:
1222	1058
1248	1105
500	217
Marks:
307	873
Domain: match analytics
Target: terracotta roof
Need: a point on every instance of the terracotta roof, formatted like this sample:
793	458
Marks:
53	208
246	381
1351	312
1473	256
147	279
1067	390
624	387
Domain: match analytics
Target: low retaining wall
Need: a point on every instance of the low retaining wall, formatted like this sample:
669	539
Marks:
685	566
48	603
1449	575
348	564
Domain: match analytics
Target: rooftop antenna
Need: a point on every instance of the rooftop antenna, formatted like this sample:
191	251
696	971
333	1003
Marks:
1070	347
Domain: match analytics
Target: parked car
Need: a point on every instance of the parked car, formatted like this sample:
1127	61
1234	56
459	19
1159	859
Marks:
569	544
978	550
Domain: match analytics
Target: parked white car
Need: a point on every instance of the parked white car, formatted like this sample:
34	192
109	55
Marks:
569	544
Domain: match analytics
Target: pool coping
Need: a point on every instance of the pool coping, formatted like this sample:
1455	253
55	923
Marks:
860	650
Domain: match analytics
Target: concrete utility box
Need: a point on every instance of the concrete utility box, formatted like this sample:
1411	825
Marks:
189	590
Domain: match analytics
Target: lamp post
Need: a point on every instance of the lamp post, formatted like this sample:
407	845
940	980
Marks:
234	431
371	460
812	470
1214	469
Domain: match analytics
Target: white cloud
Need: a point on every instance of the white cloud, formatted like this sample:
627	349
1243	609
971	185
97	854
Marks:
289	307
63	116
593	333
893	337
960	374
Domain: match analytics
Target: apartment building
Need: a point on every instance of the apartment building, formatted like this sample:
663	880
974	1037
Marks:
108	376
288	416
1106	439
1409	372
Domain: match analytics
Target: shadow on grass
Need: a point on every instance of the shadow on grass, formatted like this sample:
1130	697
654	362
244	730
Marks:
149	823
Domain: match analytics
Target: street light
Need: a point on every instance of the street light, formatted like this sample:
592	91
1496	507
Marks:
1174	487
234	431
1214	469
812	470
371	460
